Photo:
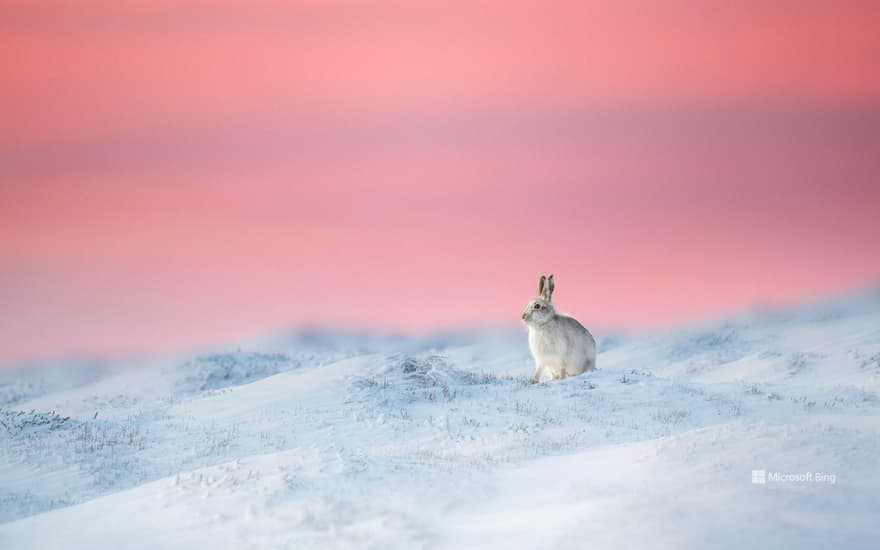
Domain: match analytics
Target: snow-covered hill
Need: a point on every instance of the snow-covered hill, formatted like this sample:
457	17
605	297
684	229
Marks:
319	440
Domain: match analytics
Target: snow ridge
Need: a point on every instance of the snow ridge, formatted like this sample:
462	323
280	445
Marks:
332	440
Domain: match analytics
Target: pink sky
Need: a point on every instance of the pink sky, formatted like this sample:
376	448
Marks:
177	174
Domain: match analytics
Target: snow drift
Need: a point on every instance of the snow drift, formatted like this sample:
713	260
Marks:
318	440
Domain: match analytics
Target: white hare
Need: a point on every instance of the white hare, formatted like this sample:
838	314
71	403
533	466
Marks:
559	343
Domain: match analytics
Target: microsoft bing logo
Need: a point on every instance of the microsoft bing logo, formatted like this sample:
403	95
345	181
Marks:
763	477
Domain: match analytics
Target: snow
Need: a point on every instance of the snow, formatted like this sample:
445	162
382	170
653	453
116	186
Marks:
343	440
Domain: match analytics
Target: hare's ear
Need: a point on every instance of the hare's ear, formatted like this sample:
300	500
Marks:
550	287
542	284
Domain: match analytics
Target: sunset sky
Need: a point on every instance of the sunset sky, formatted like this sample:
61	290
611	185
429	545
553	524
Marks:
175	174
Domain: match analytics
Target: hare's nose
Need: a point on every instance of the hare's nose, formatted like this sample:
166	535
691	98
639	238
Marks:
524	315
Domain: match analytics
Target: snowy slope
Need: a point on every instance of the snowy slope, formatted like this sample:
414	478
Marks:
358	441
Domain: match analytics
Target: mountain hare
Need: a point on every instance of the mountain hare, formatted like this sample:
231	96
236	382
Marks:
559	343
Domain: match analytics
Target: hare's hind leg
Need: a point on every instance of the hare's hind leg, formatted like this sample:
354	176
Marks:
561	374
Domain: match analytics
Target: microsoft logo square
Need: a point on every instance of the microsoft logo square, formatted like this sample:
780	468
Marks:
759	476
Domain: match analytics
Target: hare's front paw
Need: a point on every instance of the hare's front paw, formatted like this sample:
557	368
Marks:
537	376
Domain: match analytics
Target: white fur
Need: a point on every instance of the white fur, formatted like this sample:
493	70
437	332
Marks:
559	344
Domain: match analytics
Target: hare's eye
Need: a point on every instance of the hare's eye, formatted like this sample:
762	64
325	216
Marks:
537	306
